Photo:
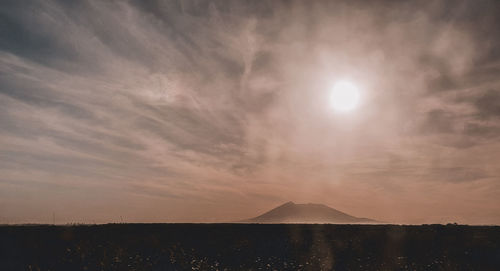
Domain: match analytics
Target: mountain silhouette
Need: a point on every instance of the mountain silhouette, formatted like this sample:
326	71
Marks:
307	213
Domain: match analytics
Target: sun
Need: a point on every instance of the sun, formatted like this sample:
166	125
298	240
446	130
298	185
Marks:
344	96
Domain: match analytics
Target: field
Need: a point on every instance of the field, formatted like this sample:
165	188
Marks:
249	247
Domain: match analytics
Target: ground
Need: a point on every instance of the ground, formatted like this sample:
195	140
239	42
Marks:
249	247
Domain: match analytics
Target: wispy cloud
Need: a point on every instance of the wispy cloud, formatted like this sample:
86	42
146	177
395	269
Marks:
191	108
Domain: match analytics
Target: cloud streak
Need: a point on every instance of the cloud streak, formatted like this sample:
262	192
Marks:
215	110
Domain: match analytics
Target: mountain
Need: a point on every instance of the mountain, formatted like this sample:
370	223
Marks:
307	213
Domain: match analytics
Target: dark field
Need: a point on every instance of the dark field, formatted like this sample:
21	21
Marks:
249	247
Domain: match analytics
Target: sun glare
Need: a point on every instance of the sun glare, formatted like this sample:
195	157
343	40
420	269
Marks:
344	96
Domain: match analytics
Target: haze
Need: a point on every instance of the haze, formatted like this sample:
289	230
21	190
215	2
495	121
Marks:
215	111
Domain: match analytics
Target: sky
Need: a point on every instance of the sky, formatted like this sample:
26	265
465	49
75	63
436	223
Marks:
217	111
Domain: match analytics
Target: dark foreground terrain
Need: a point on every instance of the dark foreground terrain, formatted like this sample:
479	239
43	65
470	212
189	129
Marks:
249	247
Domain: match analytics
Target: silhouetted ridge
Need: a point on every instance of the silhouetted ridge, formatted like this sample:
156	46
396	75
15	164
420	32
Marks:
306	213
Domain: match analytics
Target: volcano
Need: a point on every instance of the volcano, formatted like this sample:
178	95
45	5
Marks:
307	213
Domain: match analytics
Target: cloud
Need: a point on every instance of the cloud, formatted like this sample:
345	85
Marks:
154	105
488	105
482	130
438	121
456	174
